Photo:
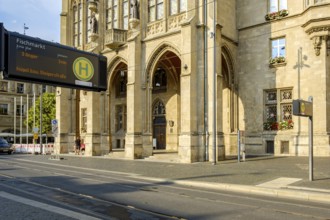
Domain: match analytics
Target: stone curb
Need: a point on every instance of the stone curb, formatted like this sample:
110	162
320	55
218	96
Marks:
305	195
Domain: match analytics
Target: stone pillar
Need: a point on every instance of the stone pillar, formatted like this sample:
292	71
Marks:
190	147
214	73
133	143
92	137
147	123
64	114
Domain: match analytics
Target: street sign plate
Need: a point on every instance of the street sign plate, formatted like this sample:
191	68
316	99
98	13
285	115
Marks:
302	108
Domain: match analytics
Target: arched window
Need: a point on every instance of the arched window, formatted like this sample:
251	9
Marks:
159	109
160	80
155	10
121	84
77	25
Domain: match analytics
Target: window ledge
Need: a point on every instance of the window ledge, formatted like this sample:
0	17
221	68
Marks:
275	65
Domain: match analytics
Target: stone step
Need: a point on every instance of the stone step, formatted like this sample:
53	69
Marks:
117	154
164	157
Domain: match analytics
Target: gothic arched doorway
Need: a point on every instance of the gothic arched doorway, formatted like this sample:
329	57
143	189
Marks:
229	103
159	125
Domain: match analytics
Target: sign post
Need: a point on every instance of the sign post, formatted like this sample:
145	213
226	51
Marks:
305	109
310	128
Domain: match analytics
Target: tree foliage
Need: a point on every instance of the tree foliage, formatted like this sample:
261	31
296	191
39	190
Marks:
48	112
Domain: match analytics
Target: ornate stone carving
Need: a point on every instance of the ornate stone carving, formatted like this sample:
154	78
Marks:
317	45
319	30
155	28
175	21
92	5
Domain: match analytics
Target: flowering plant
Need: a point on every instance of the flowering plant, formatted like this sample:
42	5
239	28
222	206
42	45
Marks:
275	15
276	60
284	125
271	16
283	13
271	125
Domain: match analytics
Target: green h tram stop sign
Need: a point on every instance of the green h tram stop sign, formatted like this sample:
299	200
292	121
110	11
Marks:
24	58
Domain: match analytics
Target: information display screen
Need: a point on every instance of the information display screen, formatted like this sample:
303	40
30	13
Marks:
34	60
2	47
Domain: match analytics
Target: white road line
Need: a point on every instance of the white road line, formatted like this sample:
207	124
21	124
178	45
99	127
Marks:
46	207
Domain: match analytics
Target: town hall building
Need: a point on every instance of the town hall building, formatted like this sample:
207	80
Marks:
183	77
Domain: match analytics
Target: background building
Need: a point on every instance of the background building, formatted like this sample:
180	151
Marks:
184	76
16	98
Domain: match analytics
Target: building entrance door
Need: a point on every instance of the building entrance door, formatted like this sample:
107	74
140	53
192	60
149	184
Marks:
159	132
159	125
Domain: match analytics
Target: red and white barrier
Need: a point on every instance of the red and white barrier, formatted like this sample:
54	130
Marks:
33	148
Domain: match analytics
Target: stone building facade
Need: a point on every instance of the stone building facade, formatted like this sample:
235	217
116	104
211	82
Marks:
184	76
15	100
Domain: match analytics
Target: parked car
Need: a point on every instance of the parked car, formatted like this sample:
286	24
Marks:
5	147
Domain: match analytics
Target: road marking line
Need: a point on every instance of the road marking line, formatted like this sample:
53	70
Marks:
46	207
279	182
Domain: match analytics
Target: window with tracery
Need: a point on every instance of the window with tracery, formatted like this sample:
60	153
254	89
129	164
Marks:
277	5
121	116
159	109
83	119
88	24
155	10
117	14
77	24
160	80
278	109
177	6
121	84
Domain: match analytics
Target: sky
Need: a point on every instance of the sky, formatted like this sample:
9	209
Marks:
42	17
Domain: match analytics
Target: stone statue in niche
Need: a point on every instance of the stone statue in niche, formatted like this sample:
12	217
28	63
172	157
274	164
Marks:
93	23
135	9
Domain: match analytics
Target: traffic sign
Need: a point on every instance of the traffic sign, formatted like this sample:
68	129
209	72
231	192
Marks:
55	127
35	136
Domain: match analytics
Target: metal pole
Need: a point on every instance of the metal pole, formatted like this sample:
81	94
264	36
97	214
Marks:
15	109
27	118
310	128
238	146
21	121
206	109
214	86
40	122
34	110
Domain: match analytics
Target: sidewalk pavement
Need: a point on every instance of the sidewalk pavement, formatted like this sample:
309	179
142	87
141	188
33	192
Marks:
283	177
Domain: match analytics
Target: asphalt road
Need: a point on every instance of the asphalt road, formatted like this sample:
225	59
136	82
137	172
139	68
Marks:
68	192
